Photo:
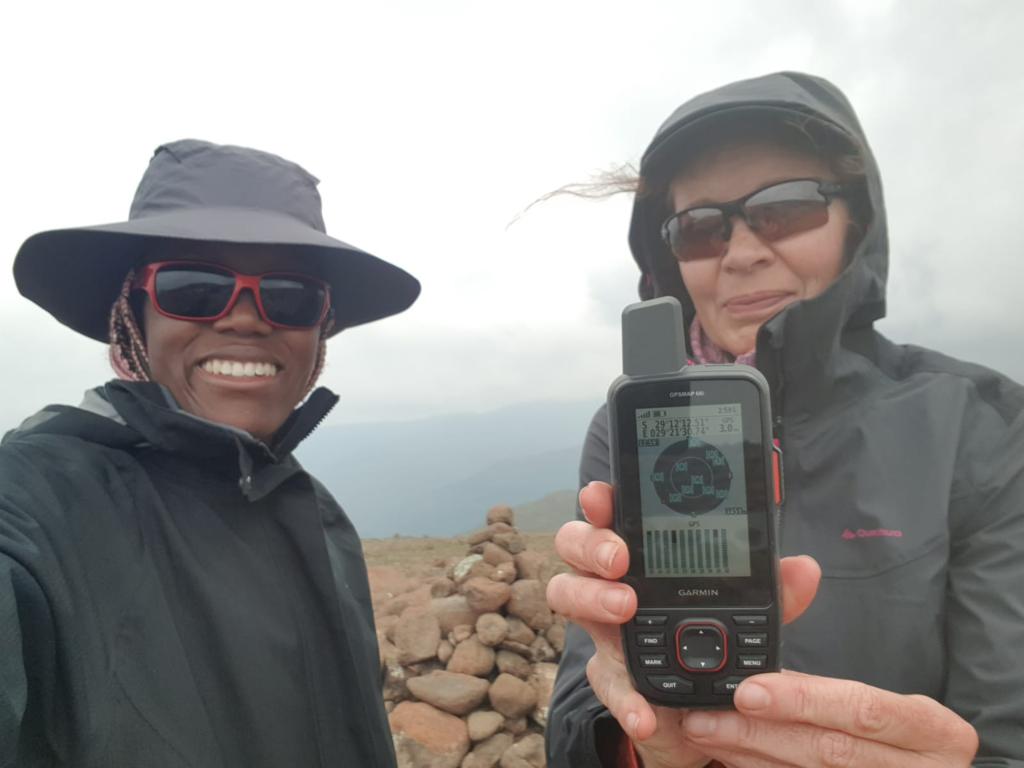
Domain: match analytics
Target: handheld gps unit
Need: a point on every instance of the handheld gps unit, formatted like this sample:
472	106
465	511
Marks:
692	465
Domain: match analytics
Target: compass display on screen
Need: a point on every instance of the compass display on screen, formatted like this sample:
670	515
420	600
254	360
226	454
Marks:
692	477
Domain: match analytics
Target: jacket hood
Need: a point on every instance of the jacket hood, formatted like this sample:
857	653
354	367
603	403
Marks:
857	298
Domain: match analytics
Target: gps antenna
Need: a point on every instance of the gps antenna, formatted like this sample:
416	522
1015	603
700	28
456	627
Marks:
652	337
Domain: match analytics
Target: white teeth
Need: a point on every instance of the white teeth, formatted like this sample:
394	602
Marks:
236	369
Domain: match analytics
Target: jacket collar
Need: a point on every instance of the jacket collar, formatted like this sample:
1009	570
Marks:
150	410
144	415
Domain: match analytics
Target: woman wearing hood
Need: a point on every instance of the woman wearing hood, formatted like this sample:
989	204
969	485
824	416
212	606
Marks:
175	590
759	206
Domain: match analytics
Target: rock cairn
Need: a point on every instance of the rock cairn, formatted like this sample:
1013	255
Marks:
469	656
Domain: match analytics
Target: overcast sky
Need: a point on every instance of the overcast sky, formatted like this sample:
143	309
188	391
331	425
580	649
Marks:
433	124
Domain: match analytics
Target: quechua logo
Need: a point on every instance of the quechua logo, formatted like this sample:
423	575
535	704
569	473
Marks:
873	533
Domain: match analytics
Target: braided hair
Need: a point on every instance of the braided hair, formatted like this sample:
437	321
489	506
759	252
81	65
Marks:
127	347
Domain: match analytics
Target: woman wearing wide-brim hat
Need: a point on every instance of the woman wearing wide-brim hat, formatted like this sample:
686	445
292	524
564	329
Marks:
175	590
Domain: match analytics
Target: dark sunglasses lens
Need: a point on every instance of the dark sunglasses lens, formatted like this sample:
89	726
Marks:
291	300
697	234
193	292
787	209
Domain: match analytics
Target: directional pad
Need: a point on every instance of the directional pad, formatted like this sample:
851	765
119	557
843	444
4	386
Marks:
702	647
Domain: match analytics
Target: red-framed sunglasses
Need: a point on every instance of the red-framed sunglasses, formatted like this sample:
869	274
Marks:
203	292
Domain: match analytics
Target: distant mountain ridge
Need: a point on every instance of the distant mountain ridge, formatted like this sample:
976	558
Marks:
436	476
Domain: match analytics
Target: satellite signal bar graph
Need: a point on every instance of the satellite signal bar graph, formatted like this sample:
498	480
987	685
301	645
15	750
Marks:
686	552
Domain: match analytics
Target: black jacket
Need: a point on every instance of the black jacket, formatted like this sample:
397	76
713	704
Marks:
175	593
904	473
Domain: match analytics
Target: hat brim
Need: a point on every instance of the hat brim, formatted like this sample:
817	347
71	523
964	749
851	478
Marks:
76	274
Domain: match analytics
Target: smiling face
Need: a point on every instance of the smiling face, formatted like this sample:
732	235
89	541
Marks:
735	293
237	370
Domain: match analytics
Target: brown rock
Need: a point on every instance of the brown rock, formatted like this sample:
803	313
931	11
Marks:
385	626
529	564
485	570
516	725
387	582
484	595
501	513
487	753
542	680
396	606
518	632
442	587
444	651
427	738
556	636
541	650
513	664
472	657
450	691
510	540
452	611
528	752
491	628
460	634
477	569
510	696
484	723
513	647
416	636
529	603
488	533
505	572
494	554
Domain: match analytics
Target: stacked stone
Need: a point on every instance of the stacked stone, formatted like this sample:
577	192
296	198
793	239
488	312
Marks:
470	657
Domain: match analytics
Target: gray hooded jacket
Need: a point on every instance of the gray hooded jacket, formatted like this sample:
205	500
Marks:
904	475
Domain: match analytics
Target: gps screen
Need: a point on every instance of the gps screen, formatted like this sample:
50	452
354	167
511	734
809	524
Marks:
693	491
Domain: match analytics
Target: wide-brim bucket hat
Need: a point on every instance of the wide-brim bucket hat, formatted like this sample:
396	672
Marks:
202	192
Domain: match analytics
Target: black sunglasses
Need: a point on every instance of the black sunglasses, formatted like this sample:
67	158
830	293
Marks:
197	291
773	212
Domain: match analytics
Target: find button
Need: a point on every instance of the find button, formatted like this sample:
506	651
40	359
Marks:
650	639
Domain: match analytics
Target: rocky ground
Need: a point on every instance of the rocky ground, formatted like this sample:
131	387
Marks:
468	645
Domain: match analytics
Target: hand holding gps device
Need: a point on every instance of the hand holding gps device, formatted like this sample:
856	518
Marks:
692	464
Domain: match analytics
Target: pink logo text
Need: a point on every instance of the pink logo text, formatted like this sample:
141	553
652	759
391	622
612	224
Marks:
874	533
